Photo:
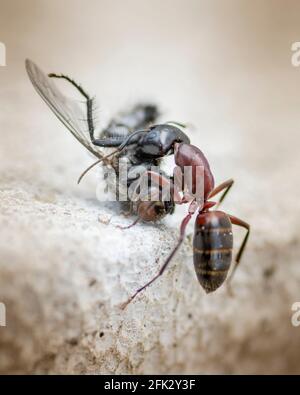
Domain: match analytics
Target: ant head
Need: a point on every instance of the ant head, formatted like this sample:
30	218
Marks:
153	211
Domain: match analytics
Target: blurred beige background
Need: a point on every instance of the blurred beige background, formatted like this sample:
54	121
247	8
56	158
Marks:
225	67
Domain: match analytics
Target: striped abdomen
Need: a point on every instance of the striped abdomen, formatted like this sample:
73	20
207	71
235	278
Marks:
213	244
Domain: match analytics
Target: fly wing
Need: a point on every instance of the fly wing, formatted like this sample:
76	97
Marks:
67	110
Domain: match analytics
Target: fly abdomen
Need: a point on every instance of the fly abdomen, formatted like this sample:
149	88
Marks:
212	244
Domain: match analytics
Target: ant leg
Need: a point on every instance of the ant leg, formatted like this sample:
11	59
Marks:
225	185
239	222
119	142
184	223
102	142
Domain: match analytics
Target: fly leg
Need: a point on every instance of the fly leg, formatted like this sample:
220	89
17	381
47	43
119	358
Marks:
89	101
129	226
126	212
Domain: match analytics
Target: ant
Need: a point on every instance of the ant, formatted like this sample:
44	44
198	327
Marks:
141	143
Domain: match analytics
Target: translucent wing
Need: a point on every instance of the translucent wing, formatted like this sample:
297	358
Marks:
67	110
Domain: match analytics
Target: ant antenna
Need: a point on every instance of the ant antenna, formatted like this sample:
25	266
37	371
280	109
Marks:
89	100
115	152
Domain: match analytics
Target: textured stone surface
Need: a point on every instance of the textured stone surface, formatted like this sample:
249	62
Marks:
64	272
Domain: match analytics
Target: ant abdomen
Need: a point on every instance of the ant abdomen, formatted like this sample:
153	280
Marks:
212	244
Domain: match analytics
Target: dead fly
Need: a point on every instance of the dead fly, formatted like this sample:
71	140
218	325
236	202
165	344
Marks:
137	140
